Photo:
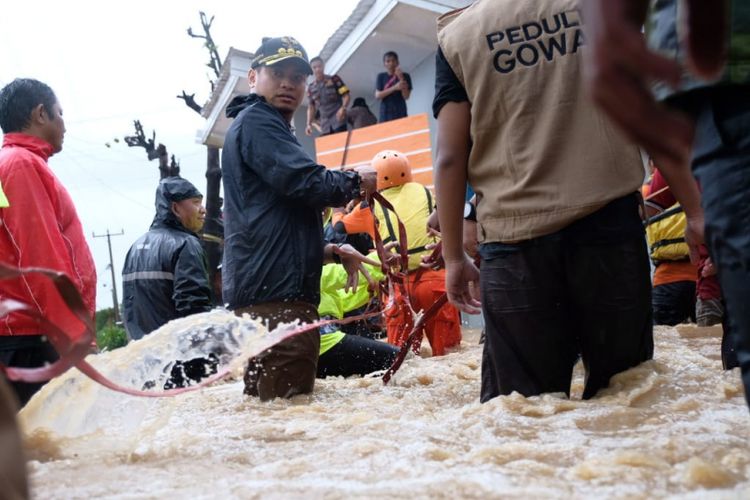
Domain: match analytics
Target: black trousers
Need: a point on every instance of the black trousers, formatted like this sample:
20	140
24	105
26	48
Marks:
356	355
721	163
26	351
674	303
584	291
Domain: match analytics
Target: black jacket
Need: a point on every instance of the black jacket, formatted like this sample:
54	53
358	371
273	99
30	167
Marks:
165	275
273	197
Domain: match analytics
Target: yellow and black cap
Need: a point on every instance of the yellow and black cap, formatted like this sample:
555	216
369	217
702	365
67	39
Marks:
274	50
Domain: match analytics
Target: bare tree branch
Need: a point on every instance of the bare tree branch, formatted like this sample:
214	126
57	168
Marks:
139	140
190	101
153	151
214	60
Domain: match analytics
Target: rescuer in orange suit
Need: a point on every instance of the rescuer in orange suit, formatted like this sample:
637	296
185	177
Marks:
413	204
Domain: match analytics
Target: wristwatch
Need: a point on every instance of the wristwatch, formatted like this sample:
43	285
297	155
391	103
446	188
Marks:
470	212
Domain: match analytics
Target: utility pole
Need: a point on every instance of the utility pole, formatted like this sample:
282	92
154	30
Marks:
115	303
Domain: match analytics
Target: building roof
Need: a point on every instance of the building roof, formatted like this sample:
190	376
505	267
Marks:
220	83
333	42
354	51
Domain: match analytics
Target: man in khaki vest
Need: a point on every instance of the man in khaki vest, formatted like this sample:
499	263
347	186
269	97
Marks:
564	271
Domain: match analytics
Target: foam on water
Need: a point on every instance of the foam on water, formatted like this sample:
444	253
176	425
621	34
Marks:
674	426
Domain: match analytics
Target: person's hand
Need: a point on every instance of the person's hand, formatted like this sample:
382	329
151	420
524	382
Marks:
402	85
341	114
708	269
308	130
470	238
372	285
352	262
694	236
428	262
462	285
399	73
619	71
368	180
392	257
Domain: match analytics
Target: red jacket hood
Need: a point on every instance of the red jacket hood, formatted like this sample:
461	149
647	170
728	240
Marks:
38	146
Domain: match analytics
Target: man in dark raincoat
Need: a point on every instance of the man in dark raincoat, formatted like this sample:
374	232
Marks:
274	195
165	275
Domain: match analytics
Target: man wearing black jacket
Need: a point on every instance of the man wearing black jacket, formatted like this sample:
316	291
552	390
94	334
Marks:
274	194
165	275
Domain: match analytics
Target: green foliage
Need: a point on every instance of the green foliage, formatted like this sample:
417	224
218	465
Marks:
111	337
108	335
104	317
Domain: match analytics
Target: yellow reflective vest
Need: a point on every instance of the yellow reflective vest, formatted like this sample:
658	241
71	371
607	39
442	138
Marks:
3	199
665	233
413	204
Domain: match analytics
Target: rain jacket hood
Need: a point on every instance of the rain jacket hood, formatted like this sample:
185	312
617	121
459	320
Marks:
170	190
241	102
165	275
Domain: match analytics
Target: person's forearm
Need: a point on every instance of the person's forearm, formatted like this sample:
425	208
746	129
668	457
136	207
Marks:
310	113
328	253
347	97
450	176
453	148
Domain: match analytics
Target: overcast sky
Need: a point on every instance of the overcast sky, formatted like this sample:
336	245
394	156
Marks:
112	62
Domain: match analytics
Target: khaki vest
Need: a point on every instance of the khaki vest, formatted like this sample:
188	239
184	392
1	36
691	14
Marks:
542	156
413	204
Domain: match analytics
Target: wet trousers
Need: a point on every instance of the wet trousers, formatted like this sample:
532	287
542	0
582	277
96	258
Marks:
288	368
674	303
26	351
584	291
356	355
424	288
721	163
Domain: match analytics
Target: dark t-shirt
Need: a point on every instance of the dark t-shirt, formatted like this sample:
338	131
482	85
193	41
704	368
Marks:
447	87
393	106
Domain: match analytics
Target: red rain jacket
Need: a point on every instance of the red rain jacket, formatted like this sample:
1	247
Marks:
40	228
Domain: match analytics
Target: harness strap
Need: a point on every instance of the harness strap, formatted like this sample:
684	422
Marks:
664	215
663	243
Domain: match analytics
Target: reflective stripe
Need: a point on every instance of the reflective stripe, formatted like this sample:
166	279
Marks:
147	275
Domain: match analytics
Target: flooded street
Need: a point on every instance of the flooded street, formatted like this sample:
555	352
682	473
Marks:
675	426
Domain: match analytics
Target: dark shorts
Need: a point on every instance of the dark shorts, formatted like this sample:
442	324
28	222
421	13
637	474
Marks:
288	368
674	303
26	351
584	291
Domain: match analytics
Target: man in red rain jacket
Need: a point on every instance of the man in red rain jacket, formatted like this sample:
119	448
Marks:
39	228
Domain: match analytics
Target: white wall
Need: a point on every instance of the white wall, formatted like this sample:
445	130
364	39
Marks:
423	91
300	121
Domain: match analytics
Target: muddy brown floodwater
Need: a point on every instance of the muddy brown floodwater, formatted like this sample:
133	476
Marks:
676	426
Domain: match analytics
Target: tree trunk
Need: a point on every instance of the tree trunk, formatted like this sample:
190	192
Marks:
213	227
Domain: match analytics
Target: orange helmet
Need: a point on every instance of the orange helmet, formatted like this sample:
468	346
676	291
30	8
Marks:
392	168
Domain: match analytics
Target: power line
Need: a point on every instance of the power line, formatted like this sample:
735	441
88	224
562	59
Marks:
103	183
115	303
